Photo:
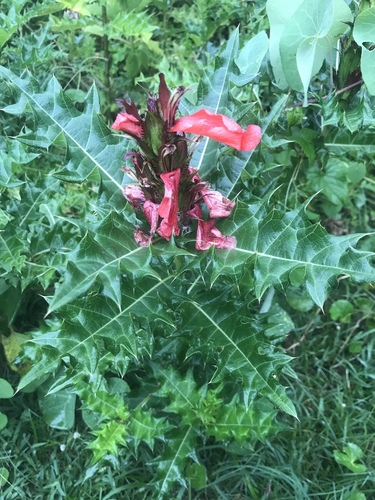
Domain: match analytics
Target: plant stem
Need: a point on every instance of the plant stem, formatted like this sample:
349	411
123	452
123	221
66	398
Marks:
107	54
340	91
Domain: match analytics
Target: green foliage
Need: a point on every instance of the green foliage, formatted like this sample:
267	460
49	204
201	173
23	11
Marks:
175	360
349	457
364	35
6	391
303	34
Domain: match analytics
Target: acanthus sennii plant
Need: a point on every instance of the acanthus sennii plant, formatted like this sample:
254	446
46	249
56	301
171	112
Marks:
157	315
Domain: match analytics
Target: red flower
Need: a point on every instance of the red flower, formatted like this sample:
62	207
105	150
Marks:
218	205
220	128
128	124
168	208
208	234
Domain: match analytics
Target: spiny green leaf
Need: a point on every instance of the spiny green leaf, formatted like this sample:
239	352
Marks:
90	144
107	406
109	437
342	142
12	154
243	424
231	340
185	398
213	93
172	462
143	426
12	248
93	326
276	243
104	253
250	58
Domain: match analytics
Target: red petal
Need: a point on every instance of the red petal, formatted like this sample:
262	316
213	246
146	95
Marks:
128	124
168	208
218	205
251	138
151	211
220	128
208	235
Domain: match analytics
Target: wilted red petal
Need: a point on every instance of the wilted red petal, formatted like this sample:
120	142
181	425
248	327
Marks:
168	208
195	212
128	124
208	235
152	214
218	205
134	194
141	238
220	128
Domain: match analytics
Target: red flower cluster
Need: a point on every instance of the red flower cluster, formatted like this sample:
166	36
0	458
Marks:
170	192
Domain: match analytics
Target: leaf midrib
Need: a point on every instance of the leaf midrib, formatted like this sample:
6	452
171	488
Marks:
102	169
276	397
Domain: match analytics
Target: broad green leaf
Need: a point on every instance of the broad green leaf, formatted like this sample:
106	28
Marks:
368	69
349	458
58	409
309	37
276	243
90	144
310	56
364	27
331	180
196	474
6	390
303	34
341	310
4	473
363	32
279	12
